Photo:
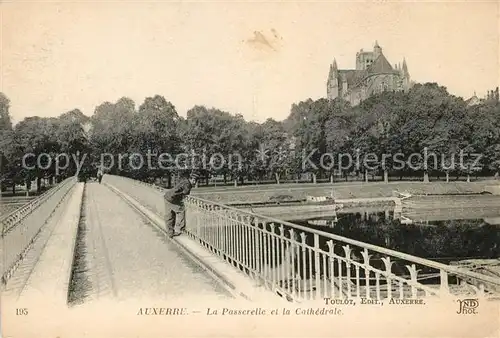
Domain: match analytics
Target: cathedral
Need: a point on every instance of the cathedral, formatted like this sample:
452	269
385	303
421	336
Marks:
373	74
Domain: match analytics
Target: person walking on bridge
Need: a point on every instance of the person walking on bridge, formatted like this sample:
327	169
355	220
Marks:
174	204
99	174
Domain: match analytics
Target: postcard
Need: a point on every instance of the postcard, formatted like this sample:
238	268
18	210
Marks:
249	169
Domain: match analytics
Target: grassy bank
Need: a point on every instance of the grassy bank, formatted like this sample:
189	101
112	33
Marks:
339	190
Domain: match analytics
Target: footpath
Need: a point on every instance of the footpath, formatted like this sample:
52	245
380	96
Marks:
49	281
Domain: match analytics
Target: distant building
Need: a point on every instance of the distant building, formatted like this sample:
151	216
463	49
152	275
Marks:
474	100
373	74
491	96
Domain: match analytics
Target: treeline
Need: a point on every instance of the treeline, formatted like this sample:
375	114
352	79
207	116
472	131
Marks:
327	139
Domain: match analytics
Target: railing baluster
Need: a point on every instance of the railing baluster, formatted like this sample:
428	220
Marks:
235	238
213	227
347	251
238	239
243	248
377	285
208	225
241	236
444	286
331	274
413	277
388	273
341	282
272	240
294	252
253	245
325	274
217	232
231	237
366	265
317	266
358	284
311	273
225	244
284	262
266	253
262	250
248	243
303	278
258	247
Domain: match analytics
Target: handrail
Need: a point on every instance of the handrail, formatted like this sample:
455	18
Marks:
27	226
408	257
32	200
251	242
13	218
369	246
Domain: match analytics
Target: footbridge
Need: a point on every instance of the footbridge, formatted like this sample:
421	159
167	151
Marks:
84	242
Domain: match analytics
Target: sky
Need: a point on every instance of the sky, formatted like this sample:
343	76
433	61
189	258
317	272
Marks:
256	59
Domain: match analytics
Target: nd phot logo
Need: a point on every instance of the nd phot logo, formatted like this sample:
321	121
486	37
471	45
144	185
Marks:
468	306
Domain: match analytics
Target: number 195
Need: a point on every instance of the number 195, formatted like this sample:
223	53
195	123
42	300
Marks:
22	312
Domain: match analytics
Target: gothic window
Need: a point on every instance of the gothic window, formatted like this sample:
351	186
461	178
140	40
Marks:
383	86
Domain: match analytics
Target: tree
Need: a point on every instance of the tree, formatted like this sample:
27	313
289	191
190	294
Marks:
73	140
36	145
307	124
111	133
155	132
425	125
218	141
481	134
5	121
6	145
276	147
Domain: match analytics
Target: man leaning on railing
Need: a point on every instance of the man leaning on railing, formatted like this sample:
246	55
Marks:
174	204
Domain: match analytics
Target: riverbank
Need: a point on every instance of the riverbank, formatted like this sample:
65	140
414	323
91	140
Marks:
290	192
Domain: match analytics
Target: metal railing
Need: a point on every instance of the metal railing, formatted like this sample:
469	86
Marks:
21	228
300	263
10	220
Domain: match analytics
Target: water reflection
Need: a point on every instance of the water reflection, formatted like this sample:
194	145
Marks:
444	241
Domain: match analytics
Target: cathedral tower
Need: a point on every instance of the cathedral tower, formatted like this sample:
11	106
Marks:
333	81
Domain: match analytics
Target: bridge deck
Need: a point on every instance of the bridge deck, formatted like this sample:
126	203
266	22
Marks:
129	259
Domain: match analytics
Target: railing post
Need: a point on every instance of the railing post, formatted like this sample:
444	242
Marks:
388	273
366	264
265	255
444	286
331	274
273	254
413	277
293	246
317	266
347	251
304	260
284	262
258	247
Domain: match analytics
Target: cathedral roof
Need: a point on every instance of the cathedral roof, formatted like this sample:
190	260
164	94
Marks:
474	100
352	76
380	65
